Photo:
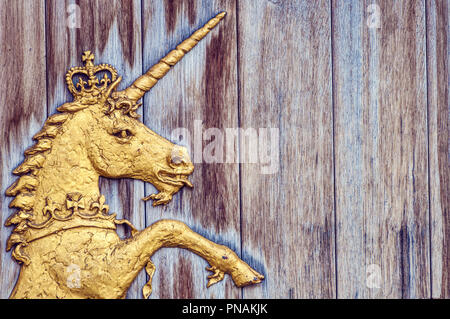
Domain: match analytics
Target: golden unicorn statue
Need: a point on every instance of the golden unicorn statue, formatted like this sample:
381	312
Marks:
62	222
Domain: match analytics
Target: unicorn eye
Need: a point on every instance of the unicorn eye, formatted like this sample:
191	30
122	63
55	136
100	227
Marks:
123	134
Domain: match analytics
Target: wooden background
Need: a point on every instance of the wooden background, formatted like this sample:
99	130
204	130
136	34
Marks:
363	113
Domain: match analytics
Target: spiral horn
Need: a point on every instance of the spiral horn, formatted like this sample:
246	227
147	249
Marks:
145	82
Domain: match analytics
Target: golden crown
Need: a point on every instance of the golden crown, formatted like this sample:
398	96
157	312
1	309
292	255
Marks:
91	90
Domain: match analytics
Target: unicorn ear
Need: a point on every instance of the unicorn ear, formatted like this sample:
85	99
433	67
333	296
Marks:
112	88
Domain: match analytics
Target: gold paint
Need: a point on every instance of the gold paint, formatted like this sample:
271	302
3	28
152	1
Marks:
64	236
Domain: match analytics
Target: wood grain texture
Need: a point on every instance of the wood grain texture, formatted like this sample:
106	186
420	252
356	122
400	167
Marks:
23	101
381	155
439	136
363	147
285	83
203	87
111	30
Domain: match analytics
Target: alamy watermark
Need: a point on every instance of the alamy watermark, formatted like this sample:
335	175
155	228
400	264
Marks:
231	145
73	276
73	19
374	19
373	276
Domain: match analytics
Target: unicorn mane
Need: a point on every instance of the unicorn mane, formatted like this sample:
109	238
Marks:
24	188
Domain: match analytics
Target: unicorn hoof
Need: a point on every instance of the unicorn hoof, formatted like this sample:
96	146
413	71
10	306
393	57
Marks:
244	275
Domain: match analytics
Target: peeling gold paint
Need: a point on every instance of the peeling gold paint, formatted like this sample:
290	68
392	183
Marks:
64	236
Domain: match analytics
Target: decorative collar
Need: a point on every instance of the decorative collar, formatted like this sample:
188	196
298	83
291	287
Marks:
70	215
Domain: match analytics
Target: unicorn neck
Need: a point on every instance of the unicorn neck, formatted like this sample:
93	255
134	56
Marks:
67	170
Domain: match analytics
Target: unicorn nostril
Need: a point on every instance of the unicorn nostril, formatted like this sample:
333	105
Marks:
179	157
176	161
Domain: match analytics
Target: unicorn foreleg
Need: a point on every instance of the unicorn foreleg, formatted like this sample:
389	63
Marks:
172	233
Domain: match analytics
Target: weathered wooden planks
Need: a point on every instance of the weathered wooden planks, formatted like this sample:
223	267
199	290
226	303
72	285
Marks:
439	135
285	83
267	64
203	87
111	30
379	81
23	102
